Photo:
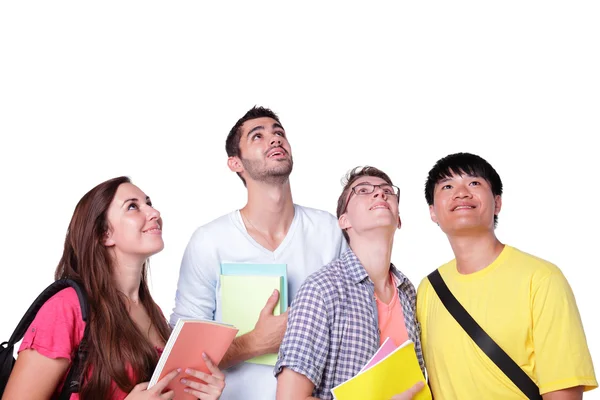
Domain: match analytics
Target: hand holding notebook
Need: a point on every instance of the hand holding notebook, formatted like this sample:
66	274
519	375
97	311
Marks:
205	386
190	339
271	324
143	390
247	291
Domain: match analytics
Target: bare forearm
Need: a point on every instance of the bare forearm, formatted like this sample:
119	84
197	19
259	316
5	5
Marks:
291	395
294	396
573	393
243	348
32	367
294	386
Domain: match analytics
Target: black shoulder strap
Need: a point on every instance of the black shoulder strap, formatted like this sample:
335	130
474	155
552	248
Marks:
482	339
32	311
71	384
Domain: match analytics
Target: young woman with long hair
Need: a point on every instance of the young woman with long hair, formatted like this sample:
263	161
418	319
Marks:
113	232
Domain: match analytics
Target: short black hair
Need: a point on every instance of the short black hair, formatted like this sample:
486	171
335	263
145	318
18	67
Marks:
232	143
459	164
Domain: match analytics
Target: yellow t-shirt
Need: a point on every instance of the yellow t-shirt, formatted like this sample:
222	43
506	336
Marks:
527	306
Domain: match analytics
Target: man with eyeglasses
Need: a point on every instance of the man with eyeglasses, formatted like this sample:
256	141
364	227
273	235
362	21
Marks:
346	310
270	228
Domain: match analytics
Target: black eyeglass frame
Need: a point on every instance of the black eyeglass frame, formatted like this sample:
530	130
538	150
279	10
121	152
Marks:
353	191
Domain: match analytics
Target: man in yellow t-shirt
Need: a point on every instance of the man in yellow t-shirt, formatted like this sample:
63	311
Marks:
522	302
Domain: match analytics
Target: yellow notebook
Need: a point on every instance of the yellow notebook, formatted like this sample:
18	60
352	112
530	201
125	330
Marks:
242	299
392	375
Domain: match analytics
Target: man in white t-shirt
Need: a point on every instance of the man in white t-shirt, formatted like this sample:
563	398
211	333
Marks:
269	229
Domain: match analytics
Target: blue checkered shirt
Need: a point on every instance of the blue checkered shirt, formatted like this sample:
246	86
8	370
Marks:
333	327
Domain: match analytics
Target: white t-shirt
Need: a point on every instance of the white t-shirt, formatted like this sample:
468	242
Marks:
313	240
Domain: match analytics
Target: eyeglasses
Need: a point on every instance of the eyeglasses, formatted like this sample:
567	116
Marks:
363	189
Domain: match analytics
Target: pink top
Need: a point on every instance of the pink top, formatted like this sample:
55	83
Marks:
391	320
57	330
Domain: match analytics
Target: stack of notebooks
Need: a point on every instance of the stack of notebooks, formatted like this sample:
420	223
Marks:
391	371
245	289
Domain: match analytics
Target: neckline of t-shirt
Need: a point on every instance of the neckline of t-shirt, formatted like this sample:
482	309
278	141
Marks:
395	298
506	251
284	243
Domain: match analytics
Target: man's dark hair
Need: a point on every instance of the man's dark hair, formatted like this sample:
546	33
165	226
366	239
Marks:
462	164
232	143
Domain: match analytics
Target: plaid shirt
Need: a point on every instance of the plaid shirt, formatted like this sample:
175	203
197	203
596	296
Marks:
333	327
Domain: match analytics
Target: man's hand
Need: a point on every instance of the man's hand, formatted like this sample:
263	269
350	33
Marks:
410	393
265	338
269	329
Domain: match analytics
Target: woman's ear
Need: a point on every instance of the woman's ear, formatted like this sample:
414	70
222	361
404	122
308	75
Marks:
107	239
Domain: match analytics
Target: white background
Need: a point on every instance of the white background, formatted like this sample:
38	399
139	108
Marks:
90	91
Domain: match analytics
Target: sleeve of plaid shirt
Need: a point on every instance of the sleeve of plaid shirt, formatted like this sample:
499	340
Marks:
306	342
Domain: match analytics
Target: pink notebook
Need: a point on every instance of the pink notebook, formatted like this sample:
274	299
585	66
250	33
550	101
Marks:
386	348
189	339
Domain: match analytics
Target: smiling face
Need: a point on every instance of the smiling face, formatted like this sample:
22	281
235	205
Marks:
265	153
464	203
370	211
134	226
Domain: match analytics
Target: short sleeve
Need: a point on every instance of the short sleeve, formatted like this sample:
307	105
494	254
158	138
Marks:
562	356
306	342
57	328
422	304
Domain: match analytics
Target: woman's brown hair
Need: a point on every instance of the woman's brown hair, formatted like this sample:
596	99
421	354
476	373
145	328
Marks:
114	342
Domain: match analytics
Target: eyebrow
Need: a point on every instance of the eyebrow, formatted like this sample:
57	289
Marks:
446	179
134	199
260	127
370	183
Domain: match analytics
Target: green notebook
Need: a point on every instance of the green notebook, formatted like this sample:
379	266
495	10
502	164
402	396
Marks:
242	299
260	269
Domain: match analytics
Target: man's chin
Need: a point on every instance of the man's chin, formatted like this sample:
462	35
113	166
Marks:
281	171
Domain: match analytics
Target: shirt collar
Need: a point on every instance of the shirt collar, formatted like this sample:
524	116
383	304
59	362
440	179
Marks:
357	273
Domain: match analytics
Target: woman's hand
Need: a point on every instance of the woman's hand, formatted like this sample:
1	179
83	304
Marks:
213	386
141	391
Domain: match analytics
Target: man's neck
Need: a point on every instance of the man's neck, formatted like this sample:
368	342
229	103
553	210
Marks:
375	253
474	253
269	210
